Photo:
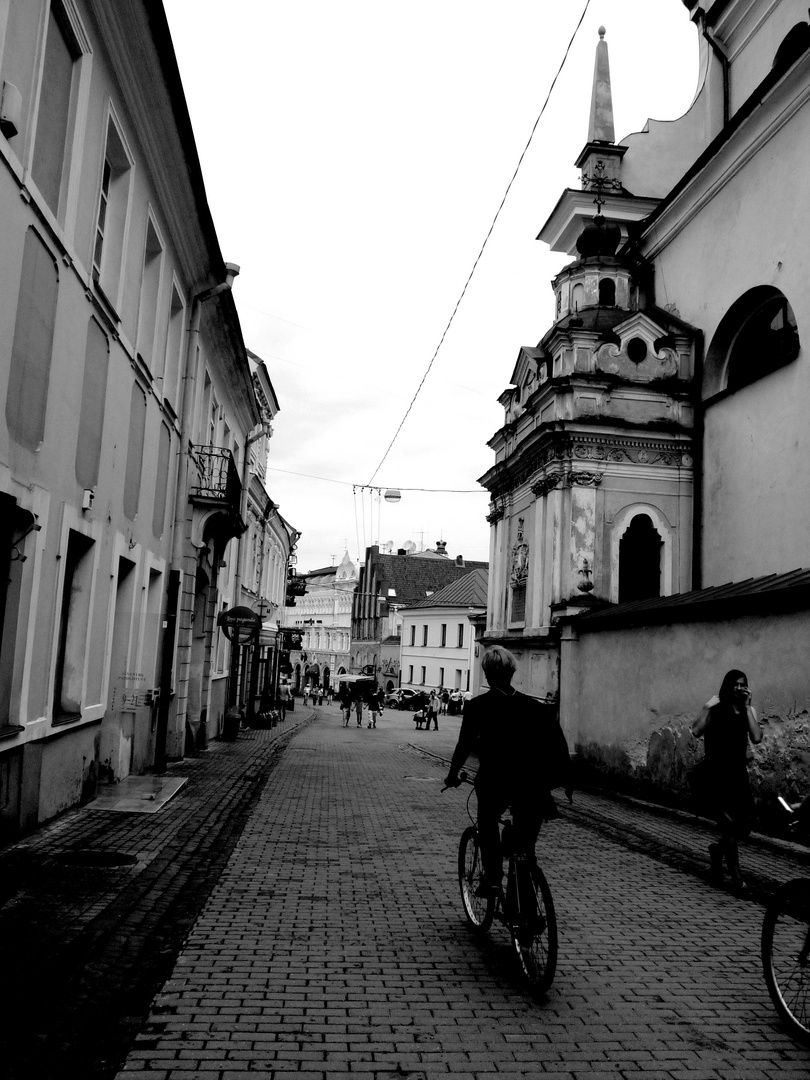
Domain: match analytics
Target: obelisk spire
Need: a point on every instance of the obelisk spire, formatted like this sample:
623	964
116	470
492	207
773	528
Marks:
600	128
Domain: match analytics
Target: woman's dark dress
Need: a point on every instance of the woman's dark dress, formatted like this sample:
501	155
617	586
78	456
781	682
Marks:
726	752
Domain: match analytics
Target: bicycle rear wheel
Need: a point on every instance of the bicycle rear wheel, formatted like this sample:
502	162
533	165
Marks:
786	954
479	910
534	933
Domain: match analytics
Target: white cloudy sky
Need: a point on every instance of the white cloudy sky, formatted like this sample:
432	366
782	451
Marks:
355	153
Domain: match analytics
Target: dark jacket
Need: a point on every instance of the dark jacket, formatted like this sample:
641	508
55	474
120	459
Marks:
517	740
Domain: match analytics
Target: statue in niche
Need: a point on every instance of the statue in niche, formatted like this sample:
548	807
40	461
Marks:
520	559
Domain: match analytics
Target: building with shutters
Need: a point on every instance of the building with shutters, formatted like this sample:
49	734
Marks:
129	406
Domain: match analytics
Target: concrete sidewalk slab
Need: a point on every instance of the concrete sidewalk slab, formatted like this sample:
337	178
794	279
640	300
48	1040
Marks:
138	795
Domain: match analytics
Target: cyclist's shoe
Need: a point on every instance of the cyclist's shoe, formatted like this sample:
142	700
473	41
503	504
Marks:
486	890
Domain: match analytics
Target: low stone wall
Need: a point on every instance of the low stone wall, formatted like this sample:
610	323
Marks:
630	696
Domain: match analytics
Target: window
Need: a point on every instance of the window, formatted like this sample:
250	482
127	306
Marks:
410	673
108	245
458	679
441	676
17	540
424	675
30	368
413	634
460	642
444	634
161	482
768	339
94	396
173	363
424	635
757	336
150	295
74	624
56	102
137	430
640	561
153	630
607	292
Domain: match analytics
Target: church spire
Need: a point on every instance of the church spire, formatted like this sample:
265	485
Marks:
600	128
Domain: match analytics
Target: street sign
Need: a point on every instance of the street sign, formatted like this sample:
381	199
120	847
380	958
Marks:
240	624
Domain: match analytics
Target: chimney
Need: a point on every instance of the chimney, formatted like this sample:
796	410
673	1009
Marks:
459	560
401	551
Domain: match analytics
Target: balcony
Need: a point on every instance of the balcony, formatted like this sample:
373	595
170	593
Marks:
218	481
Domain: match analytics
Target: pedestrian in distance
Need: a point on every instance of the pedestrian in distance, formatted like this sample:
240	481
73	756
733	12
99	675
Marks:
727	723
374	708
358	709
445	701
522	756
345	700
320	696
283	698
432	711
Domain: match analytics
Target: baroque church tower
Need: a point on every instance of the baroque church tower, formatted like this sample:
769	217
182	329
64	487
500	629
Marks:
591	490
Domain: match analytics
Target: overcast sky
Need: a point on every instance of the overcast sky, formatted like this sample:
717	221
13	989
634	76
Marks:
355	153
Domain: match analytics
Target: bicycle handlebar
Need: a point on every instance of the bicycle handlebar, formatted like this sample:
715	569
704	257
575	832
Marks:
462	779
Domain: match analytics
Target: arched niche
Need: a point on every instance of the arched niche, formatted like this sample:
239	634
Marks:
659	524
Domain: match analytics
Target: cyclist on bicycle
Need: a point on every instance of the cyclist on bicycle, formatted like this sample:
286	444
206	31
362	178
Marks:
522	755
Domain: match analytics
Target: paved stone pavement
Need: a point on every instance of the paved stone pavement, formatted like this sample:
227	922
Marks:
85	948
304	883
334	944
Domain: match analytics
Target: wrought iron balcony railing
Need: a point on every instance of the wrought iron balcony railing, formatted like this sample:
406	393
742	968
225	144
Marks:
219	478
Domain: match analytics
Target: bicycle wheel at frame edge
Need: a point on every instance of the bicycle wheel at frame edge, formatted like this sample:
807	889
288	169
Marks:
536	944
478	910
785	948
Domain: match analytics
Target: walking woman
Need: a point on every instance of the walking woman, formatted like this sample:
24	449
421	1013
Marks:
726	723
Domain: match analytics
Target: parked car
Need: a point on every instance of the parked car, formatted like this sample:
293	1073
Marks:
400	699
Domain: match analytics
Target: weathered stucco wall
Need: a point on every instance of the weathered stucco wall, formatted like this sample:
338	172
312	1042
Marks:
628	699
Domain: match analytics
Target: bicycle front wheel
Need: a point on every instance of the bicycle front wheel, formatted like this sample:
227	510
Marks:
534	935
786	954
479	910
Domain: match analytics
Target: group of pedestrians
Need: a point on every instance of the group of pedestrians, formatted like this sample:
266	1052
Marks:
317	694
355	702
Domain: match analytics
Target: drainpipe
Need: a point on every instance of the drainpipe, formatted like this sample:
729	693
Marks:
189	382
724	65
233	696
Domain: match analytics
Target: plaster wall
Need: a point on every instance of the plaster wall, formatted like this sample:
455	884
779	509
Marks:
629	697
757	441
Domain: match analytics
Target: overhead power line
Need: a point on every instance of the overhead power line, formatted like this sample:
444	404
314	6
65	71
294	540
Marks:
486	241
380	487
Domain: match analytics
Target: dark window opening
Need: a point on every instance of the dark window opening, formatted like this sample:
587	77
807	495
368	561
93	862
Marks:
795	43
637	350
640	561
607	292
768	339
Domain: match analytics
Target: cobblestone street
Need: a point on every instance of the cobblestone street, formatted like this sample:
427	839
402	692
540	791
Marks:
327	938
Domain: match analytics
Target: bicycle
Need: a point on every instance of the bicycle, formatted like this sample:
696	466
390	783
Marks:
785	946
525	906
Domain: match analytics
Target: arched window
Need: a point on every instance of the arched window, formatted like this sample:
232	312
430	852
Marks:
794	44
607	292
640	561
757	336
